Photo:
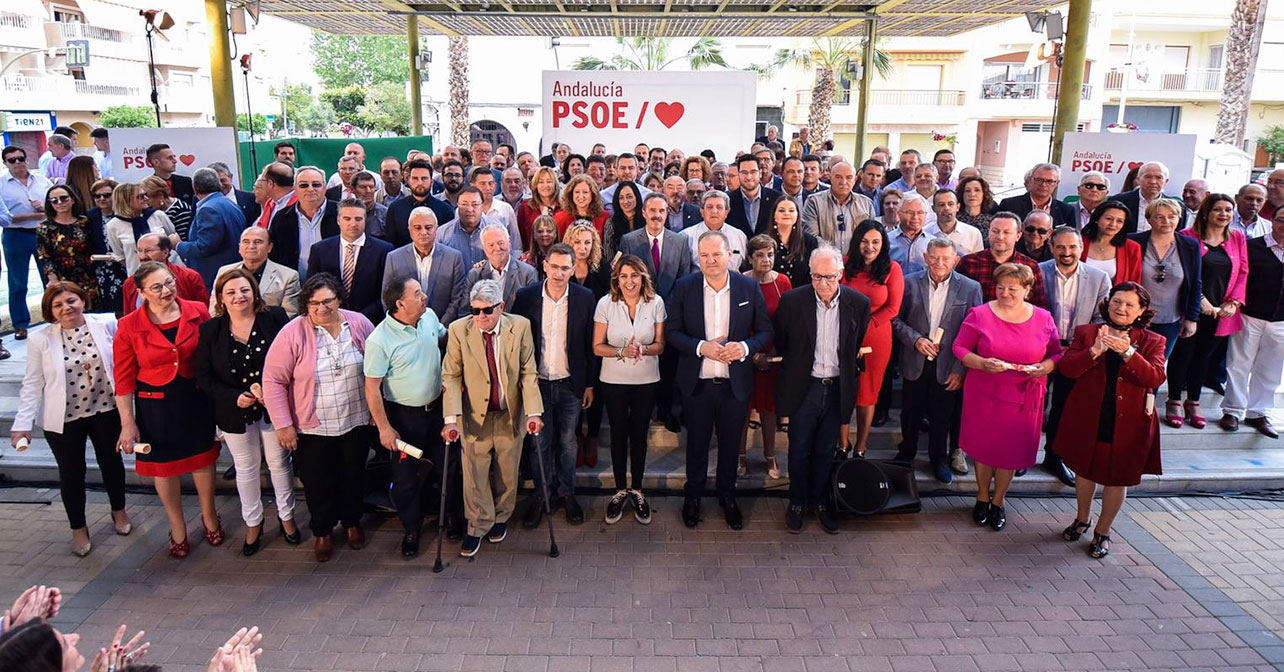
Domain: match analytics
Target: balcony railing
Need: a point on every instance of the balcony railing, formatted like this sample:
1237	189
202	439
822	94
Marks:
81	31
1188	80
1026	90
11	20
65	85
87	88
933	97
25	84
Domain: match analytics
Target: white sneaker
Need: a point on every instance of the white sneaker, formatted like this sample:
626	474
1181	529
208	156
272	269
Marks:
958	462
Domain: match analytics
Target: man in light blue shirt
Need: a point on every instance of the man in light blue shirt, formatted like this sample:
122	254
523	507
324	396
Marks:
910	159
908	241
23	193
403	389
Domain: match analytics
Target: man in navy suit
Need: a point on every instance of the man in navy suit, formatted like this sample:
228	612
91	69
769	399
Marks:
1040	193
717	321
681	214
243	199
215	236
356	259
561	316
751	203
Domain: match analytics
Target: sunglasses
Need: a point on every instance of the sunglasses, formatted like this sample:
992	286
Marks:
1093	185
1035	229
484	311
16	159
311	185
59	199
106	195
1161	273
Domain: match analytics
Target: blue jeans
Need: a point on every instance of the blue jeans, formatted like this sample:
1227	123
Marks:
813	440
19	249
561	420
1170	332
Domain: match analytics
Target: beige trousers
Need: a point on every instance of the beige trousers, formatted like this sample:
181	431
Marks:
495	444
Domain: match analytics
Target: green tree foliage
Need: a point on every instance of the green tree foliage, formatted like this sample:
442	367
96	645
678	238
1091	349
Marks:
386	109
653	53
260	123
348	60
346	102
1272	141
127	116
317	116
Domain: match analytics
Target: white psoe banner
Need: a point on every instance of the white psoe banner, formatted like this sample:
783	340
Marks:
692	111
195	147
1117	153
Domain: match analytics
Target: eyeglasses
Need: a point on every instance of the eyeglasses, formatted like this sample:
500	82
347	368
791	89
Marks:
1044	181
1161	273
324	303
485	311
310	185
818	277
16	159
105	196
1094	185
59	199
160	286
1038	230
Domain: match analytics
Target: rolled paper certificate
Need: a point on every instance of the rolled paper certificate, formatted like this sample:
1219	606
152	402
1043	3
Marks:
936	339
143	448
409	449
256	390
101	257
22	444
775	360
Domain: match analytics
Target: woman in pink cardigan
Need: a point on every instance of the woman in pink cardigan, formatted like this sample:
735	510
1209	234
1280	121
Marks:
313	388
1224	273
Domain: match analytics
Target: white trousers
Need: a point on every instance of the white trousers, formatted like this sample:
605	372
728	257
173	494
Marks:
1254	366
247	451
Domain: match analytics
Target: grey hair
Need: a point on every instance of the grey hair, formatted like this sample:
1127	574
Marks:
928	165
346	158
1037	214
913	197
695	180
1096	173
941	242
220	168
60	140
496	227
1043	166
825	250
254	229
422	211
714	193
1158	164
488	290
205	181
715	164
300	170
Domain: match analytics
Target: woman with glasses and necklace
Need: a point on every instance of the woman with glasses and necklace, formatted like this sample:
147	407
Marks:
1170	272
63	241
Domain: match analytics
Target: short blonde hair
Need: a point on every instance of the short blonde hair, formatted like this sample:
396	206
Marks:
595	257
123	199
1170	203
1021	272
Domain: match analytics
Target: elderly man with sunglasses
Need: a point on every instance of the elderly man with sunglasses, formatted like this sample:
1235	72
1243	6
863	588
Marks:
1093	188
1035	239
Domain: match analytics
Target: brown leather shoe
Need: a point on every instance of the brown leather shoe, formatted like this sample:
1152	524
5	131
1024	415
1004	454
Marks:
1229	423
356	537
1263	425
324	549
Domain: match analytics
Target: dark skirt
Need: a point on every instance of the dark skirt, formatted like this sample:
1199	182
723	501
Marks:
111	278
178	420
1107	464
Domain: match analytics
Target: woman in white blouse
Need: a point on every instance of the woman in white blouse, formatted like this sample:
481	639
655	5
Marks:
69	381
628	334
133	219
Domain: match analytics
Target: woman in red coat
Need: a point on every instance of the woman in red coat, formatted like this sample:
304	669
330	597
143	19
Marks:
544	200
1109	431
159	403
1106	246
871	271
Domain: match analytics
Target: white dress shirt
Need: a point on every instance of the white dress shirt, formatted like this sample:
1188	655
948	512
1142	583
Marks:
825	361
554	365
717	322
936	293
356	255
1067	295
736	241
423	264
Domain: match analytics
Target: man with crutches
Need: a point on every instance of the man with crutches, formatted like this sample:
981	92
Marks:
491	400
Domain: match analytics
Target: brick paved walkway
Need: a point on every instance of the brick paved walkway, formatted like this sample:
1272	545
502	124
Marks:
919	592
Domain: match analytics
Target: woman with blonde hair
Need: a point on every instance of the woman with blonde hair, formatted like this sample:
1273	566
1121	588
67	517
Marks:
543	201
591	273
133	218
161	197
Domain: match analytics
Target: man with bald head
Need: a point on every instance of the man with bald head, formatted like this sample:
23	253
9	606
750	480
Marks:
1195	191
1035	235
500	265
439	268
833	214
681	214
1274	193
156	247
356	151
278	284
1152	177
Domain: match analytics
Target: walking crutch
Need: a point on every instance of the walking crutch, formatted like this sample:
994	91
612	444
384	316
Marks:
548	511
441	511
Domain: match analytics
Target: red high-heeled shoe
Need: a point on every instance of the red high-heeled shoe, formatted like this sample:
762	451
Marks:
179	549
1192	415
216	537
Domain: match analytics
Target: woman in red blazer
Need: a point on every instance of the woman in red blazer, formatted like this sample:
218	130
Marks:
1106	246
544	200
1109	431
159	403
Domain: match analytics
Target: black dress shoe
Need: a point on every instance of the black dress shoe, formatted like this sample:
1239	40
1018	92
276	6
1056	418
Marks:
827	520
1216	387
691	511
574	514
735	519
904	457
998	519
1061	471
1263	425
794	518
454	529
981	513
4	353
942	472
534	514
673	425
1019	472
291	539
410	545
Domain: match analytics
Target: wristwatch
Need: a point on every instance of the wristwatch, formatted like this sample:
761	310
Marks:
1132	350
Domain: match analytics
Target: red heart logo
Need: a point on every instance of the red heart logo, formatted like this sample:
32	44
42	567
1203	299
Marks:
1133	165
187	159
669	113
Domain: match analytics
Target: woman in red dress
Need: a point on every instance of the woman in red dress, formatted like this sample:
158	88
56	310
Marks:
1109	430
543	201
159	403
871	271
762	257
581	200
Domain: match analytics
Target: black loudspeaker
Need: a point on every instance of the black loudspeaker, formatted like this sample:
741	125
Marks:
867	487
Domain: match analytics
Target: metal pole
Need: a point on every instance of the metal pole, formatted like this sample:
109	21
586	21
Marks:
866	74
220	64
416	101
1070	88
151	70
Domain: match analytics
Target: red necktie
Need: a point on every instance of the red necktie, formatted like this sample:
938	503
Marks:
266	217
494	404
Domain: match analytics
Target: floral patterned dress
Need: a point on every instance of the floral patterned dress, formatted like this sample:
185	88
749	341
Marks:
63	250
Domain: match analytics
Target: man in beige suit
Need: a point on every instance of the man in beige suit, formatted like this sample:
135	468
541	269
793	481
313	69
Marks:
278	284
492	393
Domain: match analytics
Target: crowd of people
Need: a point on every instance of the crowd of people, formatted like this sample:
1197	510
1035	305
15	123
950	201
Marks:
444	307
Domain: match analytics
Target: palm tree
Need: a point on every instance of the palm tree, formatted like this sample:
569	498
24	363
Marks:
652	53
459	90
829	56
1242	44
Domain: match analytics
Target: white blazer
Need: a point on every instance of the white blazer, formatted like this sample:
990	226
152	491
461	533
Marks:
45	383
123	245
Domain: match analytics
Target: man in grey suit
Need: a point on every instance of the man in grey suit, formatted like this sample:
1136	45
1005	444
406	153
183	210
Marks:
499	265
440	269
278	284
936	301
1075	291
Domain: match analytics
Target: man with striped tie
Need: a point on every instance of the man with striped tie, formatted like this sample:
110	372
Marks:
278	180
355	258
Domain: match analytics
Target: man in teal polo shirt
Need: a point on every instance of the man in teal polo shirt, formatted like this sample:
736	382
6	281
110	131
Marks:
403	389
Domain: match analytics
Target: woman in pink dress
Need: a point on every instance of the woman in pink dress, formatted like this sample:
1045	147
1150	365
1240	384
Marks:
1010	347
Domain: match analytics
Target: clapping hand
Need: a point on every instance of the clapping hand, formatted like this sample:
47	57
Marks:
1119	344
1100	345
119	656
34	602
233	655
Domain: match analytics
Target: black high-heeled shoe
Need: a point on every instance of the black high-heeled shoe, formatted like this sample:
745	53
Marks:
291	539
1076	530
998	519
981	513
250	548
1099	549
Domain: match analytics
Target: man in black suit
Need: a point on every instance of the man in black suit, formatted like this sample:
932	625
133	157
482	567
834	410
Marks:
767	169
681	214
717	321
751	203
354	258
296	228
1152	177
244	199
818	332
418	175
561	316
164	161
347	168
1040	194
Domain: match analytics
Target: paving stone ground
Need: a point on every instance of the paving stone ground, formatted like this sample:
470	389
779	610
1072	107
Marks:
1190	584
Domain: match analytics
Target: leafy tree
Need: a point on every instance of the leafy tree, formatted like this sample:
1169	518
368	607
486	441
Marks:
653	53
346	102
260	123
1272	141
347	60
386	109
828	56
295	98
317	116
127	116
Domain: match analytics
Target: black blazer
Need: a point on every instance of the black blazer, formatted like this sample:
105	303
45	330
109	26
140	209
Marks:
795	323
284	232
334	193
1063	214
1191	258
181	185
366	296
1132	201
249	208
214	353
748	322
583	364
738	219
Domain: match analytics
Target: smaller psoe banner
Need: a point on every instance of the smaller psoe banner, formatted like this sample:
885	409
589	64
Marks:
1117	153
691	111
195	147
